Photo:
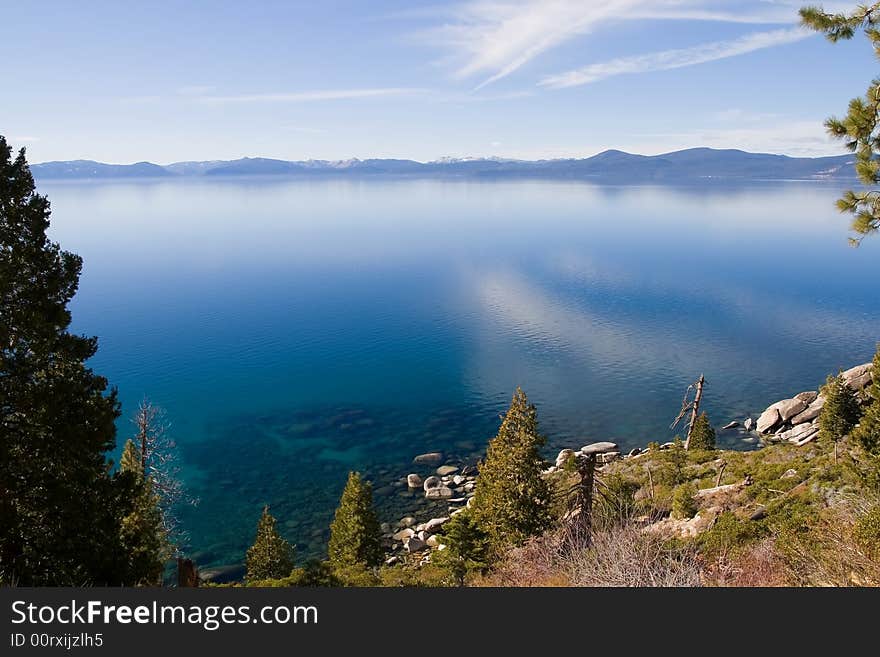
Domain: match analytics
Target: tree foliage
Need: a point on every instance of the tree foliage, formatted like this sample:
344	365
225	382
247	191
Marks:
702	434
144	536
841	410
355	535
868	431
467	549
859	129
512	500
271	556
60	508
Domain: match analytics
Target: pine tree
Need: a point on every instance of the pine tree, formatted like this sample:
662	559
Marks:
840	412
512	500
144	537
355	536
60	509
859	126
270	557
868	431
702	435
467	548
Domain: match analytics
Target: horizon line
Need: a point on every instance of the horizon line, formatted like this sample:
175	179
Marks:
448	158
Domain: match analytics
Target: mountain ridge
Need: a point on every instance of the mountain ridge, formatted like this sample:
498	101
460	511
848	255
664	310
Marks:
610	165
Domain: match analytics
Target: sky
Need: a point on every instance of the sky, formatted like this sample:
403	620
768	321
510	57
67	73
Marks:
163	82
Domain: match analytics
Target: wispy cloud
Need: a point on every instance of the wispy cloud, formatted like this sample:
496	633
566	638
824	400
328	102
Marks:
311	96
496	38
677	58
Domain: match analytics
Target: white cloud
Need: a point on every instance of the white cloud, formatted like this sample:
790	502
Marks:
311	96
677	58
496	37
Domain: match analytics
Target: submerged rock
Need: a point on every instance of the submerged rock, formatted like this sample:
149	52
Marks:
438	493
413	480
431	483
730	425
445	470
431	458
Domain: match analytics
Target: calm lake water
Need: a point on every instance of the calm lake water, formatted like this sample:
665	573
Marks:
296	329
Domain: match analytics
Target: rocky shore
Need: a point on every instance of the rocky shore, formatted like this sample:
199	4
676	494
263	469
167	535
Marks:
793	420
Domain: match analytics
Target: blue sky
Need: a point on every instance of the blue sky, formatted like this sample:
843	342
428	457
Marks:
170	81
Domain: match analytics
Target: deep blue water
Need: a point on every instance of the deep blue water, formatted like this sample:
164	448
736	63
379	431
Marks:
296	329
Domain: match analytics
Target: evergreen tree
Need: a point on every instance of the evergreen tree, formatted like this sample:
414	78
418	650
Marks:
840	412
270	557
355	536
702	434
60	509
868	431
143	533
858	129
467	548
512	500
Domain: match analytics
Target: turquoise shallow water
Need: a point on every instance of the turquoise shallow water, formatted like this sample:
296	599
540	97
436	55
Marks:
296	329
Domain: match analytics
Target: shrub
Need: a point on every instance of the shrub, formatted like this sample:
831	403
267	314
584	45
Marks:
614	501
702	434
684	504
867	532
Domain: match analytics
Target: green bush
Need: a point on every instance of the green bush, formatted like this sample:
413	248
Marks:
702	434
730	534
867	532
684	504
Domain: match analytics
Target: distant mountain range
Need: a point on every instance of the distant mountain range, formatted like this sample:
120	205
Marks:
610	166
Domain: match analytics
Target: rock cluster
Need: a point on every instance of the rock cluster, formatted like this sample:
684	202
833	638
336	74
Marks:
797	419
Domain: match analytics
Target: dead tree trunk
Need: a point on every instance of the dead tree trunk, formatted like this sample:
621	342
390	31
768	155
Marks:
695	409
692	406
580	516
187	573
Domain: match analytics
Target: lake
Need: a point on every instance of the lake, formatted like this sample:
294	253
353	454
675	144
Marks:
296	329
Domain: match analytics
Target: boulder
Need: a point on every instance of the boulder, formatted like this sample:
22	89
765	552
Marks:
788	474
730	425
810	437
458	480
385	528
598	448
445	470
635	451
438	493
749	424
413	481
807	397
799	432
768	420
608	457
431	458
432	541
563	456
434	524
431	483
788	408
811	412
403	534
414	544
858	377
408	521
422	535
